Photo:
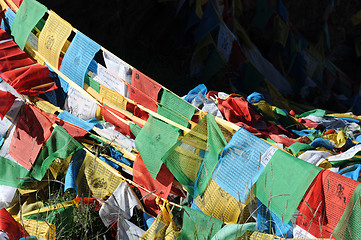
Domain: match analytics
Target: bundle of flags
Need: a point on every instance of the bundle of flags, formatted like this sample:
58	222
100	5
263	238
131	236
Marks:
209	165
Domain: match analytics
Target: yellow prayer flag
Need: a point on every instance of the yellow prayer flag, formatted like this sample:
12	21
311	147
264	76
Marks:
3	5
113	97
217	203
52	38
163	227
97	176
40	229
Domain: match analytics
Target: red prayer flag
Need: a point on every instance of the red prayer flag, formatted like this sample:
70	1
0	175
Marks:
144	90
11	227
73	130
324	203
4	35
31	80
13	57
6	102
123	128
32	130
161	185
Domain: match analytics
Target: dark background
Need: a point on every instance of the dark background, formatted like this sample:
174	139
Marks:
150	35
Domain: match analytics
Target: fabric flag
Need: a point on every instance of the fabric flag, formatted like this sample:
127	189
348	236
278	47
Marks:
52	38
234	231
324	203
66	116
268	222
11	173
12	57
241	157
6	102
31	80
73	170
79	105
144	90
197	225
78	57
163	227
216	202
120	68
153	141
282	197
348	227
59	145
32	130
119	205
8	20
160	186
96	177
39	229
174	108
110	80
193	158
108	115
28	15
8	225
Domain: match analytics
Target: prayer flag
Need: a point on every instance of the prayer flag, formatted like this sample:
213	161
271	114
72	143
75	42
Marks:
32	130
144	90
52	38
59	145
6	102
28	15
78	57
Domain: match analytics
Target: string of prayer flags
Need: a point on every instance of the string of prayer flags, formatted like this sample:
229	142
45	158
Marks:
161	186
6	102
78	57
28	15
153	141
324	203
197	225
144	90
32	130
280	196
30	80
52	38
174	108
241	157
59	145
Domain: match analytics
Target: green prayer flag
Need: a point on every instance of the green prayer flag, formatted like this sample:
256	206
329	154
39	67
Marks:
135	128
92	83
298	147
314	112
174	108
197	225
29	14
215	144
283	183
153	141
11	173
235	231
59	145
193	158
348	226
